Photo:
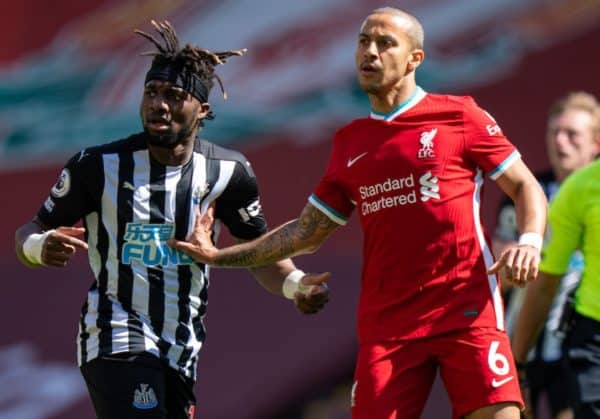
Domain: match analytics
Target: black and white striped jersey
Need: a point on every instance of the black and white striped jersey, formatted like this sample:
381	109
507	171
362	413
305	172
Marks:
147	296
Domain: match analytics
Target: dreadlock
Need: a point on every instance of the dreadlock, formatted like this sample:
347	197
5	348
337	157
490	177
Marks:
195	65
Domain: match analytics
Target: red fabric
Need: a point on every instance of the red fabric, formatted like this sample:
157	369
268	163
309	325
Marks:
393	379
414	187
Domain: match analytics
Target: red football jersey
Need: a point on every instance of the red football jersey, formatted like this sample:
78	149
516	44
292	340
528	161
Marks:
415	177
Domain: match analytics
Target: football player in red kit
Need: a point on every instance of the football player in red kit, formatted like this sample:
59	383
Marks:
414	170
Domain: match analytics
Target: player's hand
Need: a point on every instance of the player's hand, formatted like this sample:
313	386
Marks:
317	295
61	245
199	245
519	262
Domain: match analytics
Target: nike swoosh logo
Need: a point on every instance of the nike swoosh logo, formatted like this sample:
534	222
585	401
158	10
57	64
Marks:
355	159
499	383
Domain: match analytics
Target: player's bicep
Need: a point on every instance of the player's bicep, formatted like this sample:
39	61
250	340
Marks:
514	177
70	197
239	206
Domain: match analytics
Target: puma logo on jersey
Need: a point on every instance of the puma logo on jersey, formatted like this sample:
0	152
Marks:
426	140
355	159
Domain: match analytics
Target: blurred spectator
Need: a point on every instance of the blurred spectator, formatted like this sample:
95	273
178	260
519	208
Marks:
574	221
571	143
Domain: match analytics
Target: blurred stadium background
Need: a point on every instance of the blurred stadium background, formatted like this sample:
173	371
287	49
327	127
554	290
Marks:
71	76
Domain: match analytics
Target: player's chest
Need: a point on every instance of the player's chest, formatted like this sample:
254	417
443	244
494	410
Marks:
144	196
398	151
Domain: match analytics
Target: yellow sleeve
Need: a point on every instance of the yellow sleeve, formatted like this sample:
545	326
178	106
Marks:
566	226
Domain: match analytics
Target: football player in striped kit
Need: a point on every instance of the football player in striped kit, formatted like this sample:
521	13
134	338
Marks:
141	325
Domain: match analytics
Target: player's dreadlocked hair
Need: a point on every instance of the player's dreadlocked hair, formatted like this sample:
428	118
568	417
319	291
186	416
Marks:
194	66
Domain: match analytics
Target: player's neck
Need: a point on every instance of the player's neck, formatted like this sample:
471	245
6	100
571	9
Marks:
386	102
177	156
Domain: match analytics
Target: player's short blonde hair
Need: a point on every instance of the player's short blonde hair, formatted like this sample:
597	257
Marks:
581	101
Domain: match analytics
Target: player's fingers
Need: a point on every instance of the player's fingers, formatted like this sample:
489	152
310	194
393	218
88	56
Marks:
509	258
71	231
208	218
534	272
495	268
306	305
316	279
517	266
533	268
180	245
316	296
56	259
527	267
59	237
60	248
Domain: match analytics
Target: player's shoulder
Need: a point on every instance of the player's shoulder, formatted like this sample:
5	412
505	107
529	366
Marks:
454	102
132	143
583	178
212	151
439	106
354	128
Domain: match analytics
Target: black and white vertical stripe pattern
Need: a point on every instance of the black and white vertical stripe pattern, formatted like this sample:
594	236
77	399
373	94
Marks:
134	307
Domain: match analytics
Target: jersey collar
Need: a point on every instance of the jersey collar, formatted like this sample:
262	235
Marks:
415	98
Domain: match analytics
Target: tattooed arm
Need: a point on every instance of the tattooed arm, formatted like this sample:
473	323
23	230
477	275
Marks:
302	235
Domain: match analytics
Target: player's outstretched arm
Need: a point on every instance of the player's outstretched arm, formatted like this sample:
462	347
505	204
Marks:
533	314
302	235
520	261
36	245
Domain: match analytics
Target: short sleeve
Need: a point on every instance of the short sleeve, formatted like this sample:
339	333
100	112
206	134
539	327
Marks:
239	207
486	144
330	196
75	193
566	229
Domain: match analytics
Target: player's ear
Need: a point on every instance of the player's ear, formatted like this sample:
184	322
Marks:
415	59
203	110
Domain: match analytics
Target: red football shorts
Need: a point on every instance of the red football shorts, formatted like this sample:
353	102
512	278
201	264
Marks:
393	378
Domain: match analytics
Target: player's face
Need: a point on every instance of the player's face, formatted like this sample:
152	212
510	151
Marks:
169	114
570	140
383	52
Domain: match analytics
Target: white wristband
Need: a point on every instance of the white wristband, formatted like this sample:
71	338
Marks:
292	285
33	245
531	239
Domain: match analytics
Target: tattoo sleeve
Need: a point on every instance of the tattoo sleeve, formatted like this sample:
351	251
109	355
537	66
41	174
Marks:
302	235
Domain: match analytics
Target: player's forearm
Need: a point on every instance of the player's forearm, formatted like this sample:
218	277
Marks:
271	277
531	207
281	243
534	311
